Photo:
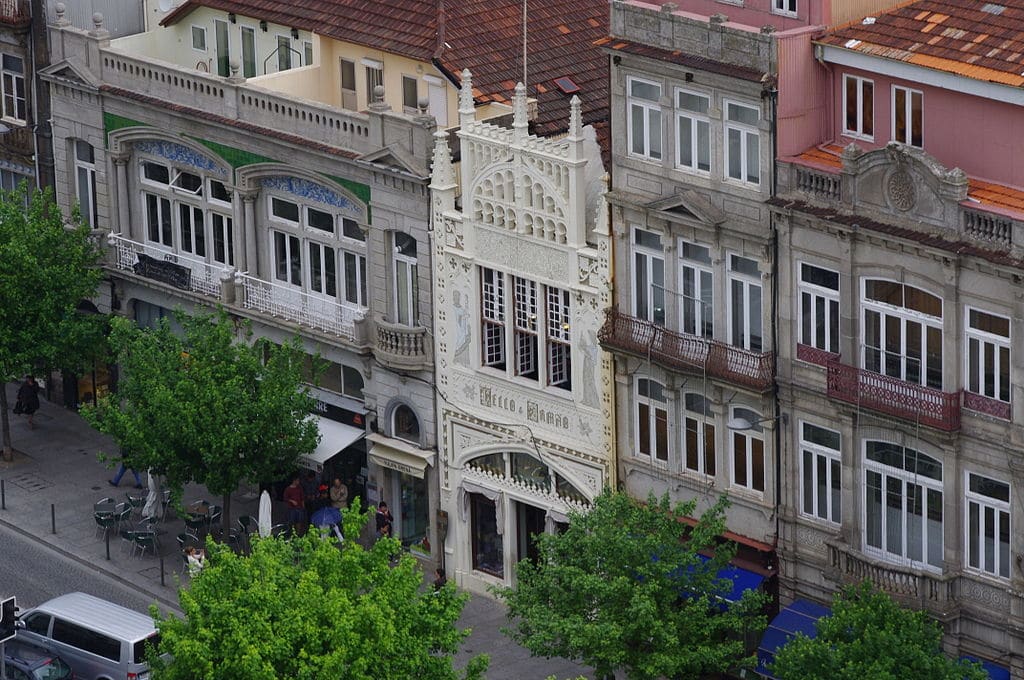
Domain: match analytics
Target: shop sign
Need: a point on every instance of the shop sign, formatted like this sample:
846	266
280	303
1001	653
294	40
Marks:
162	270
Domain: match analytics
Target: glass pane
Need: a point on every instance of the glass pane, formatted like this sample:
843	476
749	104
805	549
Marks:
821	436
974	535
661	431
873	528
753	157
823	490
754	314
808	482
655	131
640	282
757	461
989	538
743	114
330	273
685	133
916	123
894	516
658	290
935	528
1004	374
820	315
692	434
899	106
709	450
734	152
402	291
851	104
934	349
868	107
915	520
320	220
739	460
296	260
693	102
637	132
1004	544
248	52
703	145
642	90
837	495
913	369
643	435
738	331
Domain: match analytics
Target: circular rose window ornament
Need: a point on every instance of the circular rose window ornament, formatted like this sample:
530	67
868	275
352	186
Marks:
900	189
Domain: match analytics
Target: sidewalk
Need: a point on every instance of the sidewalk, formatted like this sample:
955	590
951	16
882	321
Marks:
56	465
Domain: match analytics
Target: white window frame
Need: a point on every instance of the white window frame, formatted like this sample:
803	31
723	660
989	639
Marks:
406	80
822	509
904	316
745	131
651	111
352	254
409	291
15	103
284	56
700	131
191	229
858	132
696	291
703	424
248	59
654	406
651	293
85	181
199	31
308	56
908	115
525	330
744	337
292	245
989	510
818	306
321	263
1002	355
904	477
749	437
373	73
786	8
223	233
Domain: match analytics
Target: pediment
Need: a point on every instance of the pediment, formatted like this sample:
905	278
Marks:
687	205
394	158
71	72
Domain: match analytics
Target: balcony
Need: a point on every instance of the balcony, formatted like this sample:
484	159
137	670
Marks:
174	269
894	397
402	347
680	351
933	592
293	304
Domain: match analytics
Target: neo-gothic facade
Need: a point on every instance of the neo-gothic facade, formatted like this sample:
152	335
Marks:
521	281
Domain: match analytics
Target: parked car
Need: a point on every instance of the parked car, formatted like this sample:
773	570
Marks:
26	661
100	640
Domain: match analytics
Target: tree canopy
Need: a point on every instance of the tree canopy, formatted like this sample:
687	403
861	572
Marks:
869	635
207	404
46	269
302	608
623	588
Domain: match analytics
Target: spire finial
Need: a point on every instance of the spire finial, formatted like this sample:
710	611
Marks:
466	107
520	117
575	118
443	174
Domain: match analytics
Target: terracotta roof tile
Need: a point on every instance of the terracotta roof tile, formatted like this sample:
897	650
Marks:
484	36
957	36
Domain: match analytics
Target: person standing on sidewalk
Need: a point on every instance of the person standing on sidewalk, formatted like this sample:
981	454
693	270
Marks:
28	399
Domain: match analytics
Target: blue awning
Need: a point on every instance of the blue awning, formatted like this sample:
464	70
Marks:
742	580
994	672
798	617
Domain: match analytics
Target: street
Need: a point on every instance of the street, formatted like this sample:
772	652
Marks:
34	574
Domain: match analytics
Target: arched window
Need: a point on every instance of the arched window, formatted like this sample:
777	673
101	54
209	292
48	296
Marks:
405	425
902	332
903	504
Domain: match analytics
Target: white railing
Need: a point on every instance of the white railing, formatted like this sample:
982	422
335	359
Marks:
293	304
205	277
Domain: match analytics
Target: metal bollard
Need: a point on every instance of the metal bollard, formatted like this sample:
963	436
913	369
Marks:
106	535
3	496
162	571
53	519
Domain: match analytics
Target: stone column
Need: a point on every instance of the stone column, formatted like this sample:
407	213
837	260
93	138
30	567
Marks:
248	260
123	225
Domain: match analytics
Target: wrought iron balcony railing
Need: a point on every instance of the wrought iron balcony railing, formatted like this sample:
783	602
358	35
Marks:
682	351
894	397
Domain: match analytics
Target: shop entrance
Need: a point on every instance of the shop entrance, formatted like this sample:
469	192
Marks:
529	523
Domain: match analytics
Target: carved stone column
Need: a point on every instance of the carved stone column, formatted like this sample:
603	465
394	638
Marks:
123	224
248	260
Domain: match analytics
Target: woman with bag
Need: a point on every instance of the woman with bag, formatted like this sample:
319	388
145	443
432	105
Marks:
28	399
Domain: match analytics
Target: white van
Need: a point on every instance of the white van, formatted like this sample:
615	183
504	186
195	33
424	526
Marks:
100	640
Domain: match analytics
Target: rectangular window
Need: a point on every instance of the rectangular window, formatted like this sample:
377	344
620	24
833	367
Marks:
644	106
199	38
820	473
323	275
651	420
156	173
192	229
988	525
784	7
284	53
85	181
693	131
223	239
406	280
410	95
525	329
354	275
352	382
859	107
559	354
347	71
14	87
219	193
158	220
493	316
819	308
248	51
748	456
697	300
648	277
988	355
744	303
307	53
284	210
374	77
742	143
320	220
220	34
907	116
699	435
287	258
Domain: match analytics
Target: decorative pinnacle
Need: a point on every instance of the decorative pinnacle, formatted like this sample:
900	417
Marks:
466	93
575	117
520	118
443	174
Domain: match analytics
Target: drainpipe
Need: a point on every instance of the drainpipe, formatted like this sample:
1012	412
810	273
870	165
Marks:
42	135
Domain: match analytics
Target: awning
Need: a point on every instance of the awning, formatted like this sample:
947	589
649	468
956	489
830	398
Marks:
994	671
742	580
395	454
334	437
799	617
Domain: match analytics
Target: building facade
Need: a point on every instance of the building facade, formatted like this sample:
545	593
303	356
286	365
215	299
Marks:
521	279
305	219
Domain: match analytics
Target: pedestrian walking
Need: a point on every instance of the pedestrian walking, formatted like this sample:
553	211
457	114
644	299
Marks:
120	473
28	400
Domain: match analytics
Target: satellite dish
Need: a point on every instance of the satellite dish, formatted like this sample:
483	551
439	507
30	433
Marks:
166	5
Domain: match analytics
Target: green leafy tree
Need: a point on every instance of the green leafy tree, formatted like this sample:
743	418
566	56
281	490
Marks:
623	588
305	609
46	269
869	635
208	404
